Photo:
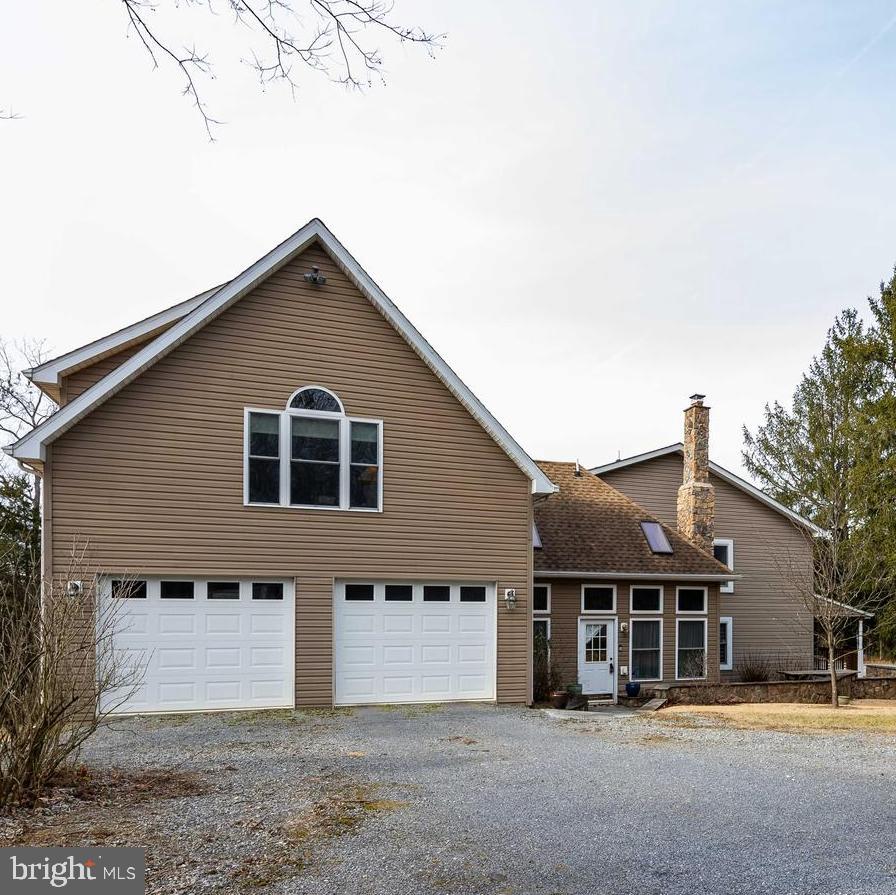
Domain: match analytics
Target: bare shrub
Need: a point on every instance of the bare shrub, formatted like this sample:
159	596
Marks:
541	666
755	667
59	680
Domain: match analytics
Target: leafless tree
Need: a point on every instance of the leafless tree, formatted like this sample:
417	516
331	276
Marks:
840	581
22	406
60	676
335	38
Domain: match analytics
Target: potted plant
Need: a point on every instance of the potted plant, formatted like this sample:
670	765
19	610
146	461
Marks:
559	697
632	689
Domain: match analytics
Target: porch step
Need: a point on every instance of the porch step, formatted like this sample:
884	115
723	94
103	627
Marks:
594	701
656	703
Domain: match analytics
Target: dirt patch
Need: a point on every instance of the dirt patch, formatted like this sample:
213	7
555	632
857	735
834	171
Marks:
870	715
465	741
83	802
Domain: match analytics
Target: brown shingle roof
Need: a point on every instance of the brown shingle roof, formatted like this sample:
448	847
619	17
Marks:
588	526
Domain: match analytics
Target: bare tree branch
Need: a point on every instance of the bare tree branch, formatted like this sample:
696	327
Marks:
333	42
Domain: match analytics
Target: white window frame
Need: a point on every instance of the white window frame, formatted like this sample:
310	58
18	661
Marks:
727	587
541	613
318	388
631	666
728	664
631	599
695	612
546	620
285	456
705	621
590	612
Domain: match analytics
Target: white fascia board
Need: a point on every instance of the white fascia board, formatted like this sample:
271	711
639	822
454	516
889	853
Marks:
722	473
640	576
50	372
33	445
849	609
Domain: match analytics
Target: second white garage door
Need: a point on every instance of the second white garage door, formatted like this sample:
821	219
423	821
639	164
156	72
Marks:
400	642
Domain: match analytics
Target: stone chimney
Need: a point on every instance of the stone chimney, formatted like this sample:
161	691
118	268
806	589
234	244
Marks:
696	497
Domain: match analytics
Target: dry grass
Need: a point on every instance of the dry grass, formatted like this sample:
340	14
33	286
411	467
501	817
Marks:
871	715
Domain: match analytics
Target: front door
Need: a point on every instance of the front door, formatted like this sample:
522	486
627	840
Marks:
597	655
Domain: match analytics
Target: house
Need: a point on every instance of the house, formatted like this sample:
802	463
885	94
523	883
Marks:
291	497
761	613
621	597
288	498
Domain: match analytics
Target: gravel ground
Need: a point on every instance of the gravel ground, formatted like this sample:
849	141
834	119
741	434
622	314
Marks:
477	799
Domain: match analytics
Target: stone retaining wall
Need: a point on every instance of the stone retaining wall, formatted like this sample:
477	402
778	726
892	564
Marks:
880	669
818	692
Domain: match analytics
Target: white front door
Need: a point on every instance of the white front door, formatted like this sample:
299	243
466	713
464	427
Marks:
413	642
597	655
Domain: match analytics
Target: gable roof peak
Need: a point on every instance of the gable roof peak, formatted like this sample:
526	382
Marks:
32	447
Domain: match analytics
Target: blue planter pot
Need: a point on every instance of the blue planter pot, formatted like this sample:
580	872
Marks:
632	689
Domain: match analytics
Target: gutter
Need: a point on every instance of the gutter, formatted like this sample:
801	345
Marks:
640	576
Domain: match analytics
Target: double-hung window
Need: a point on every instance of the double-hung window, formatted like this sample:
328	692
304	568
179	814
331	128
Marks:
726	643
312	455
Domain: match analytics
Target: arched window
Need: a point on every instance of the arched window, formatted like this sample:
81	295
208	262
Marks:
311	455
313	397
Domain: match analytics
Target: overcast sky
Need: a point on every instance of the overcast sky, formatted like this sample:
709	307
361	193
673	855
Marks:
590	209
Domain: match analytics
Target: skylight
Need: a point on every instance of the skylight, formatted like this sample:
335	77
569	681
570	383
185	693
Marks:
656	537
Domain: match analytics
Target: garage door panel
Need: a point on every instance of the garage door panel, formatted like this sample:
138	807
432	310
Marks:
206	653
423	651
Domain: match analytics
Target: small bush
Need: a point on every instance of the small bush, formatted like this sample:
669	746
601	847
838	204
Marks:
755	667
541	667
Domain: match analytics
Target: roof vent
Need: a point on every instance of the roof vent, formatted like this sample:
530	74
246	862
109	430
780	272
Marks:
315	277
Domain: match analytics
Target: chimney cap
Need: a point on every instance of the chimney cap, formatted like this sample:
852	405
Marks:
697	398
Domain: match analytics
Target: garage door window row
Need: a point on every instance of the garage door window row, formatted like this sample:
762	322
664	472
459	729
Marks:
171	589
409	593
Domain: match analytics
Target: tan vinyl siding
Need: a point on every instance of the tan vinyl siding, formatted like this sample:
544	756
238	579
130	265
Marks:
153	478
80	380
566	604
770	552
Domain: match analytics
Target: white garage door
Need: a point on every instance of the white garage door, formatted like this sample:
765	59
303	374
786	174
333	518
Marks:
400	642
203	644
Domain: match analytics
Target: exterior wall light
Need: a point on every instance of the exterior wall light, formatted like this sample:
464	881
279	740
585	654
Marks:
623	627
510	598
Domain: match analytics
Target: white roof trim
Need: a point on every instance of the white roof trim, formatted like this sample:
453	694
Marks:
722	473
33	445
853	609
50	372
640	576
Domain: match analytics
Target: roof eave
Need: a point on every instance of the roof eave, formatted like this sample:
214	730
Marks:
724	474
32	446
645	576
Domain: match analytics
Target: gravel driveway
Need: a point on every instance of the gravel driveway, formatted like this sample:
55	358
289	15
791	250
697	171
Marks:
476	799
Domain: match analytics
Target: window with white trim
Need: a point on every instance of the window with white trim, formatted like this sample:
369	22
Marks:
541	627
541	599
646	649
723	551
726	643
598	598
311	455
690	649
691	600
646	598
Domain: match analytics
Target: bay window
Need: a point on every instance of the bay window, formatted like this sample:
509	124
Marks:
312	455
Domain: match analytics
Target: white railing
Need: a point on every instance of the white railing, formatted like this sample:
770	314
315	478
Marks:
821	664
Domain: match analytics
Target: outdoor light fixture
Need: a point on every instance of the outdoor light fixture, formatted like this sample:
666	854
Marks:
315	277
510	598
623	627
